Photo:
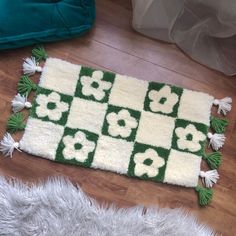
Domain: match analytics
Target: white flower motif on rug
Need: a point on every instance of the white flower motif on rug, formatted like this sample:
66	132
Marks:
94	85
189	138
50	106
77	147
121	123
163	100
148	163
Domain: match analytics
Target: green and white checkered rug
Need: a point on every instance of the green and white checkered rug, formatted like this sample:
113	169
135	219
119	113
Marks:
107	121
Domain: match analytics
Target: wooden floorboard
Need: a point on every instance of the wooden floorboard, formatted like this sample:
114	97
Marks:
113	45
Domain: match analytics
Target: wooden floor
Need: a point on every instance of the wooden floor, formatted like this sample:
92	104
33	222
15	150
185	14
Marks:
114	45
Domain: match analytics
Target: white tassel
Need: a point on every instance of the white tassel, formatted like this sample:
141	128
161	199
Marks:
30	66
19	103
224	105
7	145
216	140
209	178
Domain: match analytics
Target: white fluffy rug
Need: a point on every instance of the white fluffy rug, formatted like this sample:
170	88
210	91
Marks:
59	208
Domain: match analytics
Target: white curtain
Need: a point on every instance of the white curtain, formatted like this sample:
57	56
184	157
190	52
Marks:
204	29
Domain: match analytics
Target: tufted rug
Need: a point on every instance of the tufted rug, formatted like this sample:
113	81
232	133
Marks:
104	120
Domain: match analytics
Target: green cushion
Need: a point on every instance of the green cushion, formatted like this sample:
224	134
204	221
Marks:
25	22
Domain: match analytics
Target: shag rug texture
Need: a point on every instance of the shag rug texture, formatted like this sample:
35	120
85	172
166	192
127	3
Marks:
59	208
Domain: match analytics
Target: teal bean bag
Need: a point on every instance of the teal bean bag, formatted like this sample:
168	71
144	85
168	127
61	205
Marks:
26	22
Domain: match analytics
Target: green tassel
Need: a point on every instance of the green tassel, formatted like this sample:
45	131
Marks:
39	53
204	195
219	124
213	159
15	122
25	85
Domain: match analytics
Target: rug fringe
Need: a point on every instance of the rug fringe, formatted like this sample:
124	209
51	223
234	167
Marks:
224	105
15	122
213	159
25	85
216	141
31	66
19	103
204	195
219	124
8	145
39	53
209	178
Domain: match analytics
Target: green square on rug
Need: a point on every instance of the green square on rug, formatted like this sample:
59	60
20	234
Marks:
114	122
